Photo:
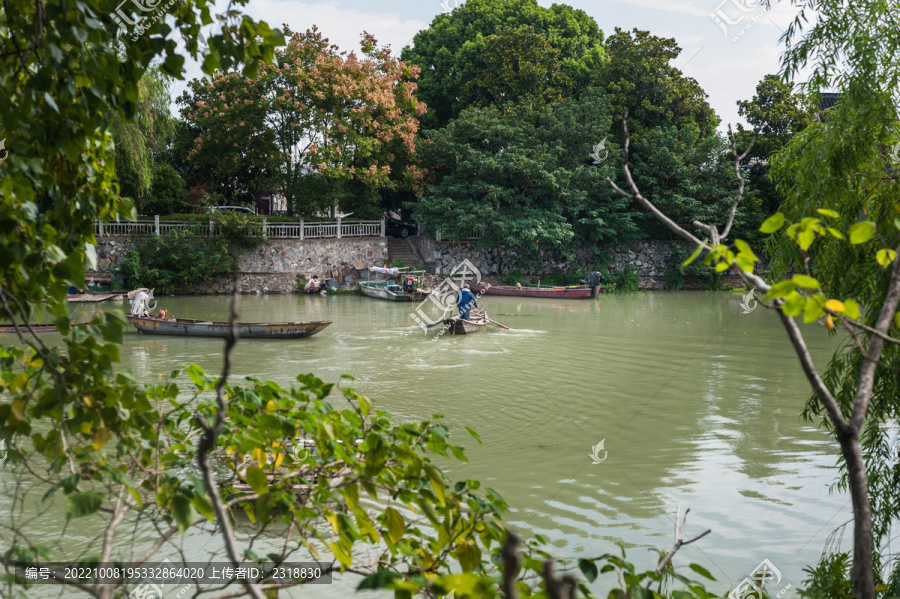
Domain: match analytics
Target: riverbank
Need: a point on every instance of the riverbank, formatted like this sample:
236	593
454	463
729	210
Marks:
276	265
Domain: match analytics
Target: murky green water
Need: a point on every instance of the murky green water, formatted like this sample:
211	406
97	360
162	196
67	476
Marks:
697	402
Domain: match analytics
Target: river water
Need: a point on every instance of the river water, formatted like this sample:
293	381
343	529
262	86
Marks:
696	403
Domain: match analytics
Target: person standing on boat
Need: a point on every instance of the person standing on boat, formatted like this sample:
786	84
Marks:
465	302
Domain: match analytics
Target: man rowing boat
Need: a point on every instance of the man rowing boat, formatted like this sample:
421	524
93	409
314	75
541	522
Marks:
465	302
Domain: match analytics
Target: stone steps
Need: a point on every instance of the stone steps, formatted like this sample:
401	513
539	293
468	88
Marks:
402	249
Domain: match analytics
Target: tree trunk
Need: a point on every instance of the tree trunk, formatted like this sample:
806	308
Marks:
862	575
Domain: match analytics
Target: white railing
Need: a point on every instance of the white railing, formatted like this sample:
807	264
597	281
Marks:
280	230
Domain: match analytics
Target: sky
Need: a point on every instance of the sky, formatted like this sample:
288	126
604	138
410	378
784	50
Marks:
728	46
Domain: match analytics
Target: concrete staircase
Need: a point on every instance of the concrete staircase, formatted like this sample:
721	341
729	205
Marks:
404	250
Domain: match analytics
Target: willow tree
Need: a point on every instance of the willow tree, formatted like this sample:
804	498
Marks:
139	141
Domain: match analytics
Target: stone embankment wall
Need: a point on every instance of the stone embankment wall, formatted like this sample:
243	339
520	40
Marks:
649	258
274	266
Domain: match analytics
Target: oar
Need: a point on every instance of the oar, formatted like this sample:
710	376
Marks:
499	325
428	326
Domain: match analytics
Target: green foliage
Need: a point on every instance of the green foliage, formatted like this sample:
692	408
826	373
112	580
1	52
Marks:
139	142
528	173
638	76
623	280
172	262
239	229
829	579
684	174
451	52
677	273
513	277
317	126
167	193
517	66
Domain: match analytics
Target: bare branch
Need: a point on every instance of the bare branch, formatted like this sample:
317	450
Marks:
679	540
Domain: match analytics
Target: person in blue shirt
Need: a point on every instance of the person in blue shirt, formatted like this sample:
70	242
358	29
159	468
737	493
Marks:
465	302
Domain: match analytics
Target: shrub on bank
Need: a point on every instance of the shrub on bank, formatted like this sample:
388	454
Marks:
172	262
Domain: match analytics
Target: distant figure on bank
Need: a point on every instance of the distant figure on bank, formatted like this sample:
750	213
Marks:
465	302
312	286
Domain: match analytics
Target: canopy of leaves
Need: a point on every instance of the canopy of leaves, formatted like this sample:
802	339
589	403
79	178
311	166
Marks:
139	143
517	66
638	76
319	125
528	175
450	52
168	191
687	177
779	113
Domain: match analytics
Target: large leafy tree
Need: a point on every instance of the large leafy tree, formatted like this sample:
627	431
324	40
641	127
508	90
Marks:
527	175
517	66
318	125
776	113
685	176
450	52
639	77
139	143
233	147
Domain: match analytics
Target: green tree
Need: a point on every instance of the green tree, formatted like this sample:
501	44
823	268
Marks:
140	142
168	191
527	175
778	113
319	126
450	51
517	66
639	77
233	150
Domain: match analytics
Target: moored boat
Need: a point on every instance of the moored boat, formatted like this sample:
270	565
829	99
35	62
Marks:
477	322
37	328
573	292
206	328
390	291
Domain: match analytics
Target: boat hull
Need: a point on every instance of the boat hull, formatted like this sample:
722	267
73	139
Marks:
458	326
246	330
554	292
380	291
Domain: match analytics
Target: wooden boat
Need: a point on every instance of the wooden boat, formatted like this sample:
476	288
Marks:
390	291
37	328
207	328
94	297
573	292
457	326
